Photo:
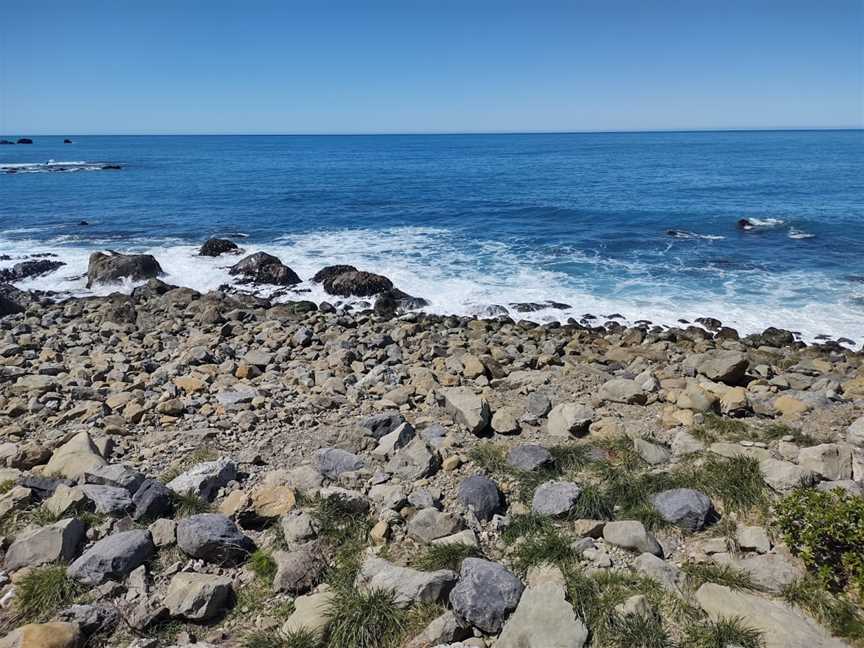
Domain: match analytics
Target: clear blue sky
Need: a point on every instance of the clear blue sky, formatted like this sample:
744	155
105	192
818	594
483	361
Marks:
268	66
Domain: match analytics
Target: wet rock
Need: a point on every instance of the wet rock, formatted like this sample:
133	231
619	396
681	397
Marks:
356	283
263	268
215	247
28	269
113	267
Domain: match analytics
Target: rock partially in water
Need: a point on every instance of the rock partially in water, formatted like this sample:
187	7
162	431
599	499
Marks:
215	246
263	268
113	267
27	269
356	283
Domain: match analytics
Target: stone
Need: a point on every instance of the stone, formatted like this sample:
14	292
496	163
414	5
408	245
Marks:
414	461
298	571
487	592
113	557
76	457
855	434
467	409
380	425
297	527
430	524
684	507
356	283
505	421
164	532
735	402
769	572
790	407
441	630
152	500
197	597
113	267
271	502
670	577
481	495
332	462
685	443
116	475
653	453
66	500
215	247
537	406
52	543
312	613
622	390
783	475
569	419
57	634
17	499
728	367
631	534
543	618
753	538
91	618
395	440
464	537
108	500
213	538
529	457
782	626
555	498
409	586
204	479
263	268
831	461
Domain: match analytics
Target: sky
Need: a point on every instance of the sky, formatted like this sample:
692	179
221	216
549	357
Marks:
366	66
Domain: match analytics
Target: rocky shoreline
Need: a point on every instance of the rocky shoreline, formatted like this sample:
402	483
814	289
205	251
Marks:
216	469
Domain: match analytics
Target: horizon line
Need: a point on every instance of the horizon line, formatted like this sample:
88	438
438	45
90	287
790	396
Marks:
443	132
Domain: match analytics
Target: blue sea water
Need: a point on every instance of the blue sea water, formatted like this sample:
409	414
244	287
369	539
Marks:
472	220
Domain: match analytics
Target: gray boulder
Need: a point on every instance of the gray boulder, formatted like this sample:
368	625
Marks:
430	524
263	268
623	390
467	408
113	558
486	594
116	475
114	267
108	500
380	425
631	534
205	479
568	419
332	462
832	461
52	543
152	500
214	538
684	507
481	495
529	457
555	498
415	461
722	366
409	586
197	597
298	571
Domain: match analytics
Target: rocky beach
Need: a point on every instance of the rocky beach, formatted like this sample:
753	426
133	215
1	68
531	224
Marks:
221	469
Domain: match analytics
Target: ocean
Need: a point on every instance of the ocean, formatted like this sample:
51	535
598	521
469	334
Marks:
638	224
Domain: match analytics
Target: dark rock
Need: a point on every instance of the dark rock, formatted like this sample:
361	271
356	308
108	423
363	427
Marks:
25	140
5	141
391	302
152	500
113	267
744	224
687	508
263	268
214	538
529	457
481	495
485	595
356	283
27	269
93	618
67	141
379	425
330	272
83	223
215	246
113	558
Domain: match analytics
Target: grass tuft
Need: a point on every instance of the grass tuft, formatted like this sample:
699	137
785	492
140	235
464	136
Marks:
42	590
301	638
838	612
262	565
700	573
723	633
637	631
365	619
490	457
445	556
187	504
525	524
549	546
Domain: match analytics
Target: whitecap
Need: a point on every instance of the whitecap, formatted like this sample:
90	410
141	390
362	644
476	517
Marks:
765	222
799	234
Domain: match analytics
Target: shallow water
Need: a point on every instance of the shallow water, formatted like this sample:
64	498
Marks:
472	220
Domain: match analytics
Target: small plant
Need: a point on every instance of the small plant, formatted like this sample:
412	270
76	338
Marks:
550	546
571	457
177	468
526	524
842	615
775	431
262	565
737	481
722	634
637	631
41	591
187	504
345	530
489	456
593	504
826	530
446	556
6	486
700	573
301	638
715	427
365	619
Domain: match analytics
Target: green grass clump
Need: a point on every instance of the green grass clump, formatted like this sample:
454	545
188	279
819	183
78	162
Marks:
637	631
526	524
775	431
301	638
550	546
490	457
700	573
445	556
6	486
737	481
715	428
345	530
262	565
177	468
187	504
826	530
365	619
42	591
594	503
722	634
571	457
836	611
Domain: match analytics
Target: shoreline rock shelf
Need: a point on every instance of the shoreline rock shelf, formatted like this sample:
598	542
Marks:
233	467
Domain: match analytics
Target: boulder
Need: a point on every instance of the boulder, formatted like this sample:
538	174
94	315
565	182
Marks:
783	475
831	461
152	500
429	524
311	613
356	283
782	626
467	408
215	246
298	571
481	495
198	597
113	557
204	479
91	618
213	538
76	457
116	475
556	498
113	267
409	586
669	576
263	268
543	618
769	572
631	534
855	434
529	457
684	507
332	462
27	269
380	425
331	272
623	390
57	634
108	500
56	542
728	367
568	419
487	592
415	461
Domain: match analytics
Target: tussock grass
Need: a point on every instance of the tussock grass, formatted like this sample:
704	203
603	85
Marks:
489	456
722	634
550	546
700	573
836	611
775	430
570	457
594	503
719	428
262	565
301	638
187	504
6	486
737	481
42	591
345	531
526	524
637	631
365	619
445	556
